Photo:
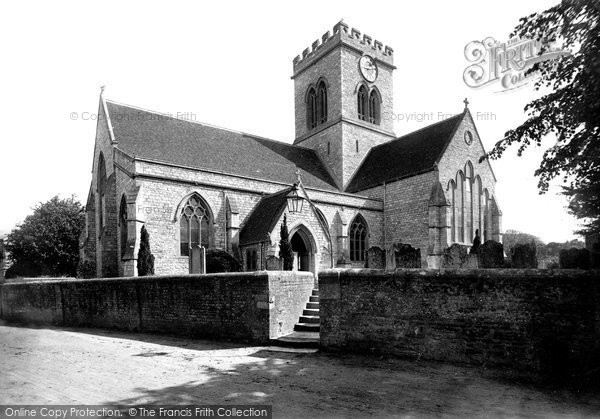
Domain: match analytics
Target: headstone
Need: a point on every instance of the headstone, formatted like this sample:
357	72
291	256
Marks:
574	258
405	256
524	255
595	256
455	257
273	263
472	261
491	255
375	258
198	260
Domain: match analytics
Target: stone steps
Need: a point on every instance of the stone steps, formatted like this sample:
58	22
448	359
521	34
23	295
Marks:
298	340
310	320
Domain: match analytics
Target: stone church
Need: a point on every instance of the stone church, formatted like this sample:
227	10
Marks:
357	184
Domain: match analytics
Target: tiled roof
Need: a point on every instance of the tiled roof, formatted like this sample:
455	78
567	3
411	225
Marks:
262	220
408	155
154	136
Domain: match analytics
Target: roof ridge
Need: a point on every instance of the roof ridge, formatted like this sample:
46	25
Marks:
259	137
205	124
438	136
419	130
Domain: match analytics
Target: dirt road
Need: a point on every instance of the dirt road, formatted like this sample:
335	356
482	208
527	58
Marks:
89	366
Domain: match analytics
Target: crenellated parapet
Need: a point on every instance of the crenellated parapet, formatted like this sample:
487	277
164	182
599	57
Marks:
351	37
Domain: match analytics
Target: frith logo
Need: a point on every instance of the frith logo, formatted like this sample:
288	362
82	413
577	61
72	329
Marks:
505	62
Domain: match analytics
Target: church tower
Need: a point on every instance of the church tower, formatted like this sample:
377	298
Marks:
343	98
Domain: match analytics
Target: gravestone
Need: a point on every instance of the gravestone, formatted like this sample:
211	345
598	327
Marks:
524	255
375	258
491	255
405	256
198	260
595	256
455	257
574	258
472	261
273	263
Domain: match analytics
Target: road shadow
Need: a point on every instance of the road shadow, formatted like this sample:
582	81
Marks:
344	385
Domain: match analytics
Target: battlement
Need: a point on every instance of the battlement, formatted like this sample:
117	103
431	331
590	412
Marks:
342	33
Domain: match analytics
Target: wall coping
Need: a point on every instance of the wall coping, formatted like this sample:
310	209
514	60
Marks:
156	278
461	273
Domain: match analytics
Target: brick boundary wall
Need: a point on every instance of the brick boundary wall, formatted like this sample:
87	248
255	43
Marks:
534	321
255	306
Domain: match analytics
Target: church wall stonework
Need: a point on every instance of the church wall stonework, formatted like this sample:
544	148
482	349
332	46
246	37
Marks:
164	187
106	238
124	167
327	143
407	211
455	158
352	78
354	135
328	69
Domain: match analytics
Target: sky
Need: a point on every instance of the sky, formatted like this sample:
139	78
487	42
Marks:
226	63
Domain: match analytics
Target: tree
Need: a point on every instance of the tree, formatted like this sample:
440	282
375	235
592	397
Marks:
145	262
571	110
511	238
285	247
47	242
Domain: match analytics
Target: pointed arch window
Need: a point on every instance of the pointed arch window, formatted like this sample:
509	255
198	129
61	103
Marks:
478	207
471	206
468	202
311	108
123	225
460	207
452	189
322	102
194	225
374	107
363	104
101	186
358	239
486	216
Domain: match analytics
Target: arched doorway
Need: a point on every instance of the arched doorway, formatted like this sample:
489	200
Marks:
302	246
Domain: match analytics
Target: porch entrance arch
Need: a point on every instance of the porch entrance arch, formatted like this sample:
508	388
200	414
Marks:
304	248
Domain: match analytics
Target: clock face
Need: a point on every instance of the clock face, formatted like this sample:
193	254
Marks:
368	68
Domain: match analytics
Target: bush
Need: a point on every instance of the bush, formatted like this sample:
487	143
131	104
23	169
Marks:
221	261
25	269
574	258
145	262
285	247
524	255
86	269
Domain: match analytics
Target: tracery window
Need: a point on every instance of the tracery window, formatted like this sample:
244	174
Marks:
101	184
358	239
322	102
194	225
363	105
123	225
374	107
311	108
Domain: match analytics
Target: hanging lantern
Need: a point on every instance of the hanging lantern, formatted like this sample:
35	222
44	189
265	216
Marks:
294	201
